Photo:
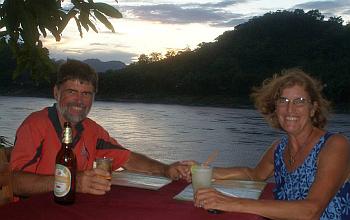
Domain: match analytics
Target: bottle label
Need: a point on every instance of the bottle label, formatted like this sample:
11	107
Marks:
63	178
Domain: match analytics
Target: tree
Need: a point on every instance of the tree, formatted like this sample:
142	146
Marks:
25	21
316	14
337	20
143	59
170	53
155	56
244	57
7	63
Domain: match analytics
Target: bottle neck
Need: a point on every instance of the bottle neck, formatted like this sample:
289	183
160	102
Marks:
67	134
67	145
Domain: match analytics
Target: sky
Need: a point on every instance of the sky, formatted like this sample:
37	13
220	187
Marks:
160	25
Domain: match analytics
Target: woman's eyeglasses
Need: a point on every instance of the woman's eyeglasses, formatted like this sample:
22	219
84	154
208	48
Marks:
299	102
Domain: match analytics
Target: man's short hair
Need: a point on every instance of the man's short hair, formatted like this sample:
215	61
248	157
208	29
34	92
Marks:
76	70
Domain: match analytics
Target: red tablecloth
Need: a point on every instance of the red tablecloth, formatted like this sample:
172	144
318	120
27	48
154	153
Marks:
120	203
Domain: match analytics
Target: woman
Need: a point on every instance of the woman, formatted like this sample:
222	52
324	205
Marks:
311	166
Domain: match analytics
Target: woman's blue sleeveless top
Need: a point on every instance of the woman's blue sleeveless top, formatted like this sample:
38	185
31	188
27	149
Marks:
295	185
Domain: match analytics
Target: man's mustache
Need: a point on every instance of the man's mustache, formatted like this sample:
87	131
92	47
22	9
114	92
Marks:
73	104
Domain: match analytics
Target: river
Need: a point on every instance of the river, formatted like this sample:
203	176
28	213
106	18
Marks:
172	132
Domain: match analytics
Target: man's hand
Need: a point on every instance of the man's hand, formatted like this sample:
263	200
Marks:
93	182
180	170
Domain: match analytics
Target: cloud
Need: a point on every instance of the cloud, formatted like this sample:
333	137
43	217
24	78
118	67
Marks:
329	8
98	44
233	22
218	14
223	4
104	46
76	51
149	25
214	14
321	5
102	55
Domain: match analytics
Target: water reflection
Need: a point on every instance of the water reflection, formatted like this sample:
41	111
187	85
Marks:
172	132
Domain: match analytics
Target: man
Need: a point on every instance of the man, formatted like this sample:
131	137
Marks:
38	140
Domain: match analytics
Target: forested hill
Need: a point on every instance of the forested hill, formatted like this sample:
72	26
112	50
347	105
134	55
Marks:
225	70
244	57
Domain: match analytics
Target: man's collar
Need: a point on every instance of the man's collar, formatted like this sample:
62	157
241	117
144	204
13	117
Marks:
53	116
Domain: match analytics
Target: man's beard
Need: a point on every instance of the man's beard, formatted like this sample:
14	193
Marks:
73	118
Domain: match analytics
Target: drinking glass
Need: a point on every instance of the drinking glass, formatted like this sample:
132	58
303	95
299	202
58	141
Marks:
105	163
201	177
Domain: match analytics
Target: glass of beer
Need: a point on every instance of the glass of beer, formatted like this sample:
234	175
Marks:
105	163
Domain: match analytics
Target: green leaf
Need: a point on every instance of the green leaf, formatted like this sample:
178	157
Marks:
11	21
104	20
79	26
45	13
30	33
2	23
92	26
108	10
84	18
43	31
26	20
65	19
54	31
49	5
3	33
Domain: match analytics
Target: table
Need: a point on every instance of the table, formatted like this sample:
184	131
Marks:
120	203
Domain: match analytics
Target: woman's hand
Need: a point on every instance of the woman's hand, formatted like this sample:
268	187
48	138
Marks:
210	198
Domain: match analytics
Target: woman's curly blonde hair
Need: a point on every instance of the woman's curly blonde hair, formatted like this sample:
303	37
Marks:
265	96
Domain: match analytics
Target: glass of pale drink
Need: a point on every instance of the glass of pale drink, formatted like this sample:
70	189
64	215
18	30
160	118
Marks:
201	177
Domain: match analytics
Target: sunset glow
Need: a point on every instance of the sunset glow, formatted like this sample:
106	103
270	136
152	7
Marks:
158	26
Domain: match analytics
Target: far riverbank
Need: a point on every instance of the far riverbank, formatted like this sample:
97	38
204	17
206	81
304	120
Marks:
222	101
210	101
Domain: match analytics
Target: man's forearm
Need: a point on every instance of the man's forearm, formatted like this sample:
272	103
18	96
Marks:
26	184
141	163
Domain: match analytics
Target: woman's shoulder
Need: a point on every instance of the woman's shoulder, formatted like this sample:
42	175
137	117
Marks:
335	138
336	142
277	145
276	142
280	141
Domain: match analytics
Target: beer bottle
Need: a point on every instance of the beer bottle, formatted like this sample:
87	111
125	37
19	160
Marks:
65	172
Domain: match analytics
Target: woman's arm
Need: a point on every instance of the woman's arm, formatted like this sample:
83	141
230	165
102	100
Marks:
261	172
333	170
